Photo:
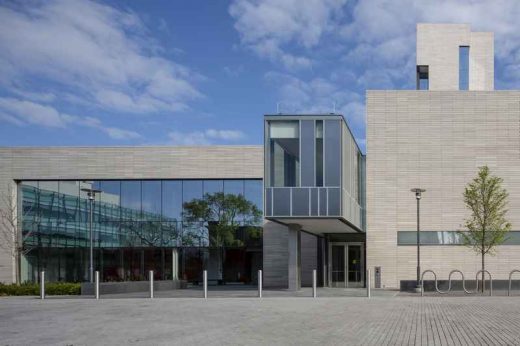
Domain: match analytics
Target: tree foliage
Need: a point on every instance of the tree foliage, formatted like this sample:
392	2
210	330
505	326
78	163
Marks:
487	226
223	215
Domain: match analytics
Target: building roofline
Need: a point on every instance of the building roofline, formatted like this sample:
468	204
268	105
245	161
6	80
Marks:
282	115
252	146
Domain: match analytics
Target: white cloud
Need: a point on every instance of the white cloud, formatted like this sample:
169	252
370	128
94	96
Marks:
359	45
21	113
227	135
317	95
112	132
189	138
270	26
31	113
383	34
207	137
93	51
233	71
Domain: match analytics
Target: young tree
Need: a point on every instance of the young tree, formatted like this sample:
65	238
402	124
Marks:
222	215
486	227
11	236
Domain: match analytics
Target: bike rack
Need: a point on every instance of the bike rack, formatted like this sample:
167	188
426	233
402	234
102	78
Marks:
510	275
435	277
463	281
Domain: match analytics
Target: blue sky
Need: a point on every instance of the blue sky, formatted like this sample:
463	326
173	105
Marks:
204	72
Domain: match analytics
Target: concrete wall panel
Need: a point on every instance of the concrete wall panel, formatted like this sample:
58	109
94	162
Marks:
436	140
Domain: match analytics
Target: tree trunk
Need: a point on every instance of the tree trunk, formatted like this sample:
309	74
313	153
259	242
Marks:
483	268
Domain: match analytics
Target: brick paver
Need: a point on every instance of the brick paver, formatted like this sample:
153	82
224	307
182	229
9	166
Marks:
382	320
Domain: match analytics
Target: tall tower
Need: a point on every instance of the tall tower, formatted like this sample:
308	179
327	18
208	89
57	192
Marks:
452	57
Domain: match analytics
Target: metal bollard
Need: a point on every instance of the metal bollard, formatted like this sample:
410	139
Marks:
42	285
205	279
151	283
97	284
260	284
368	283
314	283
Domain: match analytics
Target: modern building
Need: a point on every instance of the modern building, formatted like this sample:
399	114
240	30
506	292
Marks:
325	205
314	202
313	199
138	222
436	138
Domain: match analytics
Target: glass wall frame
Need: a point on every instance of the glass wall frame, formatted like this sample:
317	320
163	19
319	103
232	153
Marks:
136	226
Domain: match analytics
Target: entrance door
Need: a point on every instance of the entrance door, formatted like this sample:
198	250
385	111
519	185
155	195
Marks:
355	266
337	256
346	265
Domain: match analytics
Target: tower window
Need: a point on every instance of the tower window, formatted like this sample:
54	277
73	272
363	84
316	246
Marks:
422	78
463	68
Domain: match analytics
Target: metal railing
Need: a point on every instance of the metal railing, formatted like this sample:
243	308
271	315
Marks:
463	281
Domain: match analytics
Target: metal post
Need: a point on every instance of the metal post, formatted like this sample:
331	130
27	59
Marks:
91	269
418	244
260	284
97	284
368	283
314	278
42	285
151	284
205	279
418	193
91	194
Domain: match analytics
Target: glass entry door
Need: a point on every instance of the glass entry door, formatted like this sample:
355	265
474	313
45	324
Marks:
346	265
338	277
355	266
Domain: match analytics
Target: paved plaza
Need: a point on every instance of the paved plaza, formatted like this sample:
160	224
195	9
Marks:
385	319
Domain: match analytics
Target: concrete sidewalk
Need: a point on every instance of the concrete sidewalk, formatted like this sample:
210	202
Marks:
401	320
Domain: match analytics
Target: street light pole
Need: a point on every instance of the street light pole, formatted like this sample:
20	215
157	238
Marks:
418	196
91	193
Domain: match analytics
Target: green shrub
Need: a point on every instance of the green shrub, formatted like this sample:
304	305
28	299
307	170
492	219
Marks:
32	289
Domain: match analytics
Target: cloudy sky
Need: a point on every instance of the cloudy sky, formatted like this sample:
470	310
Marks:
197	72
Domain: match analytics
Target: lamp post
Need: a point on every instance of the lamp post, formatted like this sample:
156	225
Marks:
91	193
418	193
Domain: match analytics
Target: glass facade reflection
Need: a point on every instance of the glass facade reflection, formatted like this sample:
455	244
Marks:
138	226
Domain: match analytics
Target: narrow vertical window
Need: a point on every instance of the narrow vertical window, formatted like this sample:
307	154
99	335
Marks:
422	78
284	141
319	153
463	68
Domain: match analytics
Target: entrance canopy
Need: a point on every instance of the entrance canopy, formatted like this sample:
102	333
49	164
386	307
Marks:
320	226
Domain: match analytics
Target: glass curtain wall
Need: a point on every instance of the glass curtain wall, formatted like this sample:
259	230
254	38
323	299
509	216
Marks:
137	226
